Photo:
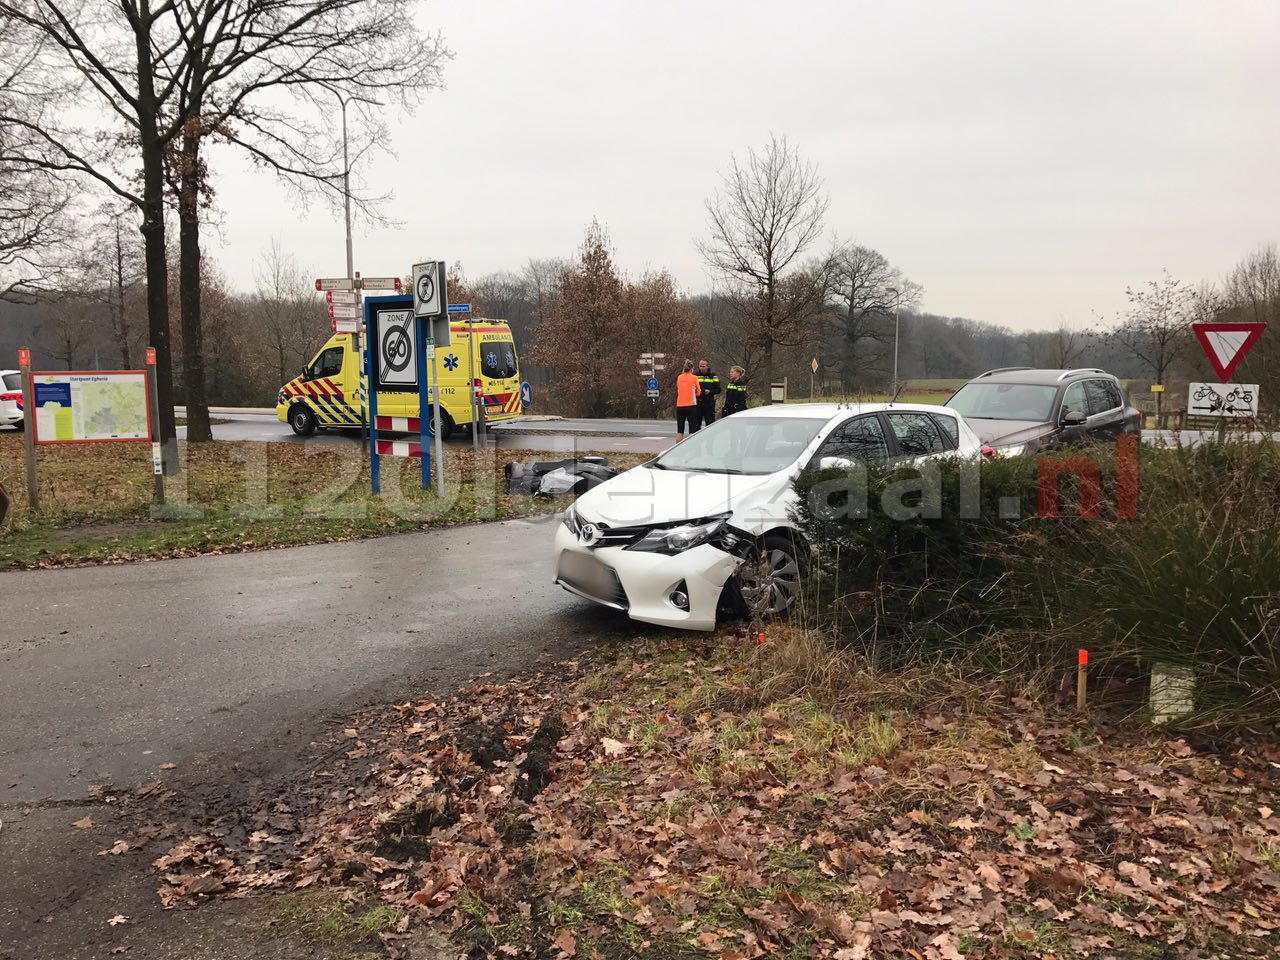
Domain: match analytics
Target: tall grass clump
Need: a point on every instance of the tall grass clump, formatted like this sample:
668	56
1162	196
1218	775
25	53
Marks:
965	569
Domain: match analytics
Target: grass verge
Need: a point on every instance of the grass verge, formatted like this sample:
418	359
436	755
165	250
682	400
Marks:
96	499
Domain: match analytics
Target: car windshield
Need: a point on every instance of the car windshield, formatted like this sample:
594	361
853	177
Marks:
1005	401
743	444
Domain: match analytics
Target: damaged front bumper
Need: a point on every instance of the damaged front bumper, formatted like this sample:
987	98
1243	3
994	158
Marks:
648	586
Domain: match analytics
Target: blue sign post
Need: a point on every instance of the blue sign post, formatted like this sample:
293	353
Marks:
371	388
653	383
526	395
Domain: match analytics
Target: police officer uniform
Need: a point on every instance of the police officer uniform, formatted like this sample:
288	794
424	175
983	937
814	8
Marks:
710	385
735	398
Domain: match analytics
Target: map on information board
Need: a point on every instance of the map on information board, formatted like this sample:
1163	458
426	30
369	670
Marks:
98	405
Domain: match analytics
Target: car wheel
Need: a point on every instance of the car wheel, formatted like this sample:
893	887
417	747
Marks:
771	577
302	420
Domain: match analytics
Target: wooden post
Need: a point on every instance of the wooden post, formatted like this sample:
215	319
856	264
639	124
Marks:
157	449
1082	678
29	427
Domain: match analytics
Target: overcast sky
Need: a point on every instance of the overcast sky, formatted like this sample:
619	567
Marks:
1020	160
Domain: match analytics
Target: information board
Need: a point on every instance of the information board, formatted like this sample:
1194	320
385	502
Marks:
91	406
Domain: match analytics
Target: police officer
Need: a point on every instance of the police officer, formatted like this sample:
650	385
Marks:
735	393
710	385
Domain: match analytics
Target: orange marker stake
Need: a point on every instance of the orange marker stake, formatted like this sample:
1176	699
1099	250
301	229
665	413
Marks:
760	639
1082	679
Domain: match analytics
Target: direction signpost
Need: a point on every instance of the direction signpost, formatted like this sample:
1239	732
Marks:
379	283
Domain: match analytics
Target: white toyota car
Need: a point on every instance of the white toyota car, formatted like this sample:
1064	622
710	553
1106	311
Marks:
706	527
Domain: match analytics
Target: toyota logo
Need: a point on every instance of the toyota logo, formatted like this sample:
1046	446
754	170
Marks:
588	533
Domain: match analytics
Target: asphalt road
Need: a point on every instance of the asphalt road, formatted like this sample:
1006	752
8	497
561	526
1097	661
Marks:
227	666
558	436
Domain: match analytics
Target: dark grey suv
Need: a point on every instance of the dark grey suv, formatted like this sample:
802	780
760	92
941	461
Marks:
1020	409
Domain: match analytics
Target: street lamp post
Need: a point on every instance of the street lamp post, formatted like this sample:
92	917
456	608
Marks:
351	266
897	312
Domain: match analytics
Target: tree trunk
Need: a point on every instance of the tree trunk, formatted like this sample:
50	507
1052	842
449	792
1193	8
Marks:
767	365
153	237
199	430
120	322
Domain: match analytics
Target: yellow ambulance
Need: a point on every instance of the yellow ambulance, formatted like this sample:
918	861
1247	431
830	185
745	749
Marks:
330	391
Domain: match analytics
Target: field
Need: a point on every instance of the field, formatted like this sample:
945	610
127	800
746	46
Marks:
96	499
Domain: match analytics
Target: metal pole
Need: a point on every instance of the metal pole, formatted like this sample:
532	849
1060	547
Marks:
346	188
471	380
371	387
29	427
435	416
424	364
351	264
897	312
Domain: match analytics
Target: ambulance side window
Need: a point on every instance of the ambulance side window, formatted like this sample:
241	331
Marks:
328	364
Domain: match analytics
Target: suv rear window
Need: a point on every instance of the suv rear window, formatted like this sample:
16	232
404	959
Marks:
1005	401
12	381
1103	395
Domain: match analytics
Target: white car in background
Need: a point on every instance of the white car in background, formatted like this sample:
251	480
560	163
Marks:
706	527
11	399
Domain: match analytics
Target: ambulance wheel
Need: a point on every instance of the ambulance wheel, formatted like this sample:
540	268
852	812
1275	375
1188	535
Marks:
446	425
302	420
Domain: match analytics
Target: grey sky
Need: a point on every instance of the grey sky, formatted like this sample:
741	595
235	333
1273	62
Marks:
1021	160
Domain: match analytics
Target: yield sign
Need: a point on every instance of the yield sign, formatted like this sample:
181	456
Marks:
1225	344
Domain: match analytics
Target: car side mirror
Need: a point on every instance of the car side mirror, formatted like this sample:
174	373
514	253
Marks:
304	375
1073	418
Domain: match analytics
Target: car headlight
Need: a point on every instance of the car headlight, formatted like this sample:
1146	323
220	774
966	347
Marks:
571	519
1014	450
680	537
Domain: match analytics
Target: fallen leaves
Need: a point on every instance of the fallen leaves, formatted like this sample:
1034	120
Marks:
746	834
84	823
118	920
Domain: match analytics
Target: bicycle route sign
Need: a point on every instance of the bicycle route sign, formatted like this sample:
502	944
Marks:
1222	400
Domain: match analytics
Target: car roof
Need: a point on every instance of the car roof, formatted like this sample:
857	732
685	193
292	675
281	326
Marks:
1039	376
828	411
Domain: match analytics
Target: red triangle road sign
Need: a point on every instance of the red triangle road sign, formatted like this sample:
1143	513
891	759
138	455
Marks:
1225	344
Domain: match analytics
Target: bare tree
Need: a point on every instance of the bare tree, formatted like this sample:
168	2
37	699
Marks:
34	203
866	290
769	210
286	311
1156	329
69	323
1061	347
250	73
100	106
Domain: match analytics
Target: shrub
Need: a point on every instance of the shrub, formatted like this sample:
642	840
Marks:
965	567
